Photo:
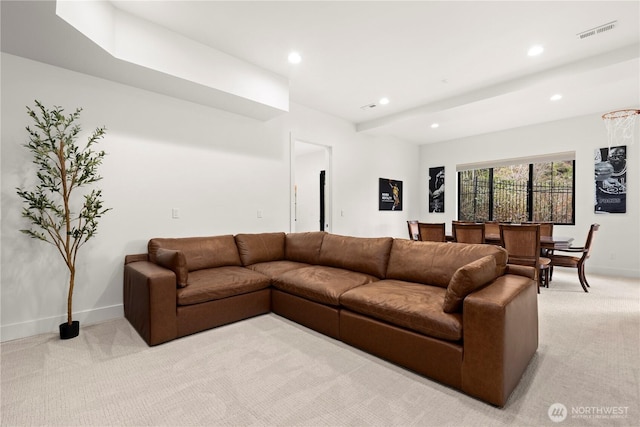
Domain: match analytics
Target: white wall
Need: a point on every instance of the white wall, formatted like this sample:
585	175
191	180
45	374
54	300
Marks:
217	168
616	249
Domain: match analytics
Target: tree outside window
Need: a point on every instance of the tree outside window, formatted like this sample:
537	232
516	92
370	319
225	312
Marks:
541	192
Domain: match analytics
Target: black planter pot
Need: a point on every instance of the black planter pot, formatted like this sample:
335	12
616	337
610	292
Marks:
69	330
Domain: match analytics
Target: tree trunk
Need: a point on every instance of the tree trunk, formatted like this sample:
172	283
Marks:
72	277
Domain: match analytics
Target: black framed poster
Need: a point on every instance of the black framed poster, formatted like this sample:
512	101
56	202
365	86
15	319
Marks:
436	189
390	195
611	179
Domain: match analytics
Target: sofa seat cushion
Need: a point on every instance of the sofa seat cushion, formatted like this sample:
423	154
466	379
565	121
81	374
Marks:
276	268
222	282
411	305
320	283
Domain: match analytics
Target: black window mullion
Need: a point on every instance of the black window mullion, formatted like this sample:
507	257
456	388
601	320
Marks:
491	194
573	194
530	194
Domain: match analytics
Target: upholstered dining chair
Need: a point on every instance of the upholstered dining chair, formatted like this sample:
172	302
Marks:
432	231
577	260
522	242
467	232
414	230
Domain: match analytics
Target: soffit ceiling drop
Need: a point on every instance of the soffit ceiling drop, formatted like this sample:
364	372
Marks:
122	47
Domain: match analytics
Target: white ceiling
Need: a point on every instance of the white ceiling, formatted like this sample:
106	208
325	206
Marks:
461	64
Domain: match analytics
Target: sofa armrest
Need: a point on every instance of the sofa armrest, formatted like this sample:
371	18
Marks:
521	270
150	301
135	258
500	336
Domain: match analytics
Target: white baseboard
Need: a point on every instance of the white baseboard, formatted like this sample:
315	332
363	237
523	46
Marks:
613	272
50	324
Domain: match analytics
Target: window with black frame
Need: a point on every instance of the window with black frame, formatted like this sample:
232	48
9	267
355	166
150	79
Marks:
540	191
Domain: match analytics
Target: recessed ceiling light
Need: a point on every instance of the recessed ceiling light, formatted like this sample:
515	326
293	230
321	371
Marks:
556	97
384	101
434	125
535	50
295	58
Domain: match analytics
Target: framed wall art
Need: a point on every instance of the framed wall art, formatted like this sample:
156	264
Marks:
611	179
435	200
389	195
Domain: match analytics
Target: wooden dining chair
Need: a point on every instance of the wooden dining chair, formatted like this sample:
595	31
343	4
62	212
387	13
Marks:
522	242
491	228
578	260
414	230
467	232
546	230
432	231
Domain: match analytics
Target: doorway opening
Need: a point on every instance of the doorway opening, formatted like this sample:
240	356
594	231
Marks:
311	186
323	182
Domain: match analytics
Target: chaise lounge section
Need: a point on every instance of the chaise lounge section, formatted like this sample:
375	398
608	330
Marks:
456	313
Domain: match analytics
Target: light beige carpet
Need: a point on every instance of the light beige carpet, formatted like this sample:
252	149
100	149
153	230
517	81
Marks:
269	371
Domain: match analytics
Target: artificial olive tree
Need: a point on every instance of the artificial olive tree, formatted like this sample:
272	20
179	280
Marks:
60	211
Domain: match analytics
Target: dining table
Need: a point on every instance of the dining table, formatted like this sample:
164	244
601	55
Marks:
546	242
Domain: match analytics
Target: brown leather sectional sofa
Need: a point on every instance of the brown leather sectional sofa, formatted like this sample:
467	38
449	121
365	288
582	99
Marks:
454	312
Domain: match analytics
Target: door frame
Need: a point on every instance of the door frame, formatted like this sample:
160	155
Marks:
328	200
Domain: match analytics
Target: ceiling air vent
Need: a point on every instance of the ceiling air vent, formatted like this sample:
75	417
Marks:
368	106
598	30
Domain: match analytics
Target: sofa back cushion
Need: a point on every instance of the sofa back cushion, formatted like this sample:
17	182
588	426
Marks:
434	263
467	279
262	247
304	247
200	252
368	255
